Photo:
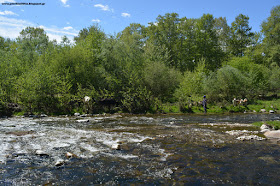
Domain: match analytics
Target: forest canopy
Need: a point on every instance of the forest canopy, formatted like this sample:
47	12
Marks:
171	60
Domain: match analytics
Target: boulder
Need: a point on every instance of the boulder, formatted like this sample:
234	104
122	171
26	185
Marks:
70	155
77	114
41	153
271	111
116	146
265	127
272	134
59	162
262	110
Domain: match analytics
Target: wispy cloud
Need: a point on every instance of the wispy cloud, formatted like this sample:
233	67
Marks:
65	3
96	20
10	28
68	28
126	15
7	13
103	7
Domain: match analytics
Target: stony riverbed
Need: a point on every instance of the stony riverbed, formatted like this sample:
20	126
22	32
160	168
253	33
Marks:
125	149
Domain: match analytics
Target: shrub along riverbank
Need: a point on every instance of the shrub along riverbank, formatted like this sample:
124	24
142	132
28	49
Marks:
162	67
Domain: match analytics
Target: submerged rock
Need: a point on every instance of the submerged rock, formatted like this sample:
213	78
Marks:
251	137
240	132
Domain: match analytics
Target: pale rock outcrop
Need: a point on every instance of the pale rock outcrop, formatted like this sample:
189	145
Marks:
272	134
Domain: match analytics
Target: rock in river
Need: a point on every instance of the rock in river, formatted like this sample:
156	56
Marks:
265	127
41	153
116	146
82	120
272	134
70	155
251	137
59	162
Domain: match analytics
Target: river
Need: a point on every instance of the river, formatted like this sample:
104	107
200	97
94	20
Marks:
137	149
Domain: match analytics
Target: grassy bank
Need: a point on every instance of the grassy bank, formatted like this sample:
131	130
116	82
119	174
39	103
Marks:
254	106
274	124
176	108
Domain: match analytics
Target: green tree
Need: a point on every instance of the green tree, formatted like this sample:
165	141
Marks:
207	46
164	32
161	80
223	32
192	84
32	43
240	35
271	31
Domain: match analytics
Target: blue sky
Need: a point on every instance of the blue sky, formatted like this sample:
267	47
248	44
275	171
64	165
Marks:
68	17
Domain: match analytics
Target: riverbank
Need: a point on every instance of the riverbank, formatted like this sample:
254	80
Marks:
257	106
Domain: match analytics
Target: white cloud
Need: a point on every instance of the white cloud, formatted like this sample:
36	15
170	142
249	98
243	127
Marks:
65	3
7	1
68	28
7	13
125	14
10	28
103	7
96	20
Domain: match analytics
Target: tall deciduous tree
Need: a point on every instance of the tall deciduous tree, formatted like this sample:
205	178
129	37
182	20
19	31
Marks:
271	31
207	45
164	32
223	32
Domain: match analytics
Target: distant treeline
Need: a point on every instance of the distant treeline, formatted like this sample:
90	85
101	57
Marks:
139	69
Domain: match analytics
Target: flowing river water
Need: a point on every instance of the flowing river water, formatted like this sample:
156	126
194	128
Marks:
129	149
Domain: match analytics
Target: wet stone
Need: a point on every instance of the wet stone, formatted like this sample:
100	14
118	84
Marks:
251	137
59	162
41	153
83	121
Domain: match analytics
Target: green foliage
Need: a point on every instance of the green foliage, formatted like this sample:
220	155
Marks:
4	110
161	80
141	67
257	75
136	98
36	90
274	124
231	83
240	35
192	84
274	80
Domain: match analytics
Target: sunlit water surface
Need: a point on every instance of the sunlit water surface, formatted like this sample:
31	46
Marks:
152	150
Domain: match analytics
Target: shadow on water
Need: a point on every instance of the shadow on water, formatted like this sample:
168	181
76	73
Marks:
150	150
